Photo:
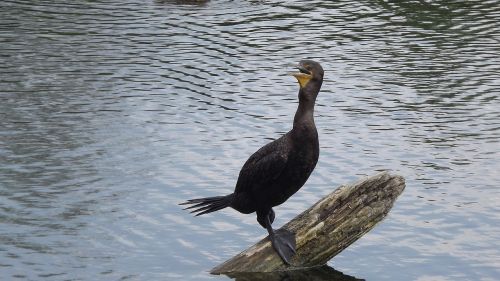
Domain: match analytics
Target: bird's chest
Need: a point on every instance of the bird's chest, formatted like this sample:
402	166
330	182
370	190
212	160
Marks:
299	168
302	162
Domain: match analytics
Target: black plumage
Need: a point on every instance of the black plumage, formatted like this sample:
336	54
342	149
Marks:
279	169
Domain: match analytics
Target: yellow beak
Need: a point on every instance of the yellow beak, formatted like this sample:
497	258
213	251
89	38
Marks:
303	78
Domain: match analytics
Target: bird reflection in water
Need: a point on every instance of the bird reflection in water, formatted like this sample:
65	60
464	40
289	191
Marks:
322	273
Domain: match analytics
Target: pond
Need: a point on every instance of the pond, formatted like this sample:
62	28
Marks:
113	112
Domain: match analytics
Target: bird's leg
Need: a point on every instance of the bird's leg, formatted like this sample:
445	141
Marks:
283	241
271	216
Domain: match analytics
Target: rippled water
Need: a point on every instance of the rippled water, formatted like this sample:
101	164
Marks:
111	113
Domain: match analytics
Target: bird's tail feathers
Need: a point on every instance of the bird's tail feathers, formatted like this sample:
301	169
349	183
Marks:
207	205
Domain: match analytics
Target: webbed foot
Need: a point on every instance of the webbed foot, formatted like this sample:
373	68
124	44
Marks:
283	242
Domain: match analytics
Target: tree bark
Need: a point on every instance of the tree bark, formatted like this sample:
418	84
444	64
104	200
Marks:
325	229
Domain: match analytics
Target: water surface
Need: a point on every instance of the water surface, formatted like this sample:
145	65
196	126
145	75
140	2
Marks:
111	113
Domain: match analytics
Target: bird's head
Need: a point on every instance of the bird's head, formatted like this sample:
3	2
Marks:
310	72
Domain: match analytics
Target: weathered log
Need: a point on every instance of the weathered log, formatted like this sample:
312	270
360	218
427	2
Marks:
327	228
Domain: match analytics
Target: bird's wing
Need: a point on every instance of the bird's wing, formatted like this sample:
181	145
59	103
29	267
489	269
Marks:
263	167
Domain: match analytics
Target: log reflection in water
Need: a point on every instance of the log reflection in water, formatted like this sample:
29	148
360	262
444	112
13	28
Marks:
311	274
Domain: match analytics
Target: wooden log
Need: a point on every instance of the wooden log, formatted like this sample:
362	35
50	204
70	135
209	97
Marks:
325	229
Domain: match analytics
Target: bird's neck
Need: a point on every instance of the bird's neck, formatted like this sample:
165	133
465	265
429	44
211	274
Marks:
304	117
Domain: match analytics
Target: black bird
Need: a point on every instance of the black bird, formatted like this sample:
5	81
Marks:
278	169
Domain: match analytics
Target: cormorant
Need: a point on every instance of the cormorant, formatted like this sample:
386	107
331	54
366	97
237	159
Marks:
278	169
